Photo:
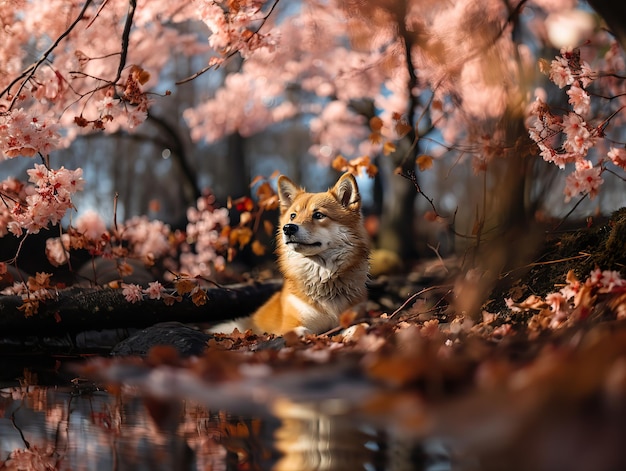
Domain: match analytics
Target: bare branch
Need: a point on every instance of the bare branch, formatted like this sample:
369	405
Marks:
132	5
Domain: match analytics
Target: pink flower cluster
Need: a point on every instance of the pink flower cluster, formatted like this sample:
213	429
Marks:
46	201
563	302
146	238
234	26
135	293
200	254
23	134
568	69
576	298
567	139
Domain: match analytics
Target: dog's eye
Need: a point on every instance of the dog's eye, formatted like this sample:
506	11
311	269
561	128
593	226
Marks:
292	216
318	215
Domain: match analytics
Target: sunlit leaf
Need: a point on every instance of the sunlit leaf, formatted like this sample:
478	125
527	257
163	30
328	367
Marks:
245	218
402	128
268	227
437	105
199	296
340	163
389	148
375	138
256	180
139	74
376	124
347	318
244	203
430	216
184	286
258	248
240	236
424	162
268	199
371	170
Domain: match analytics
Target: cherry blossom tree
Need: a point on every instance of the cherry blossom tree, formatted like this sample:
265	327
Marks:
406	84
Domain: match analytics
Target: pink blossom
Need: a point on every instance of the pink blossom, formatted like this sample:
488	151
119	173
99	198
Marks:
57	250
502	331
511	305
48	201
91	225
611	279
556	301
587	74
594	277
146	238
132	292
204	234
135	117
109	106
578	138
26	134
154	290
585	179
618	156
579	99
560	72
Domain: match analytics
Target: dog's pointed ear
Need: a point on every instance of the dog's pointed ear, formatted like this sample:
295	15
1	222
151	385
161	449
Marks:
347	192
287	191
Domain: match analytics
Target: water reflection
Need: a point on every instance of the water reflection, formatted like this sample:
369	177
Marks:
49	428
52	428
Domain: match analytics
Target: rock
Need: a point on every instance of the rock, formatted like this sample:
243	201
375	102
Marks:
186	340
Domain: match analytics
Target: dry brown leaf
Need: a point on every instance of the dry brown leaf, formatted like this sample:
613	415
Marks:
184	286
389	148
258	248
376	124
424	162
347	318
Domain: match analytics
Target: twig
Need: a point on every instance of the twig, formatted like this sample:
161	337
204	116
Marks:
115	199
431	309
412	297
548	262
412	177
436	250
582	198
615	174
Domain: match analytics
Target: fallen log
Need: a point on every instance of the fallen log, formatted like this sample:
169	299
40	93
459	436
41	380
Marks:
75	310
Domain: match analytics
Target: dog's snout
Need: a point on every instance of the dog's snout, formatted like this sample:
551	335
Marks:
290	229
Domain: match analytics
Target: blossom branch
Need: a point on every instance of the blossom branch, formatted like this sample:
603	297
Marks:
29	72
216	64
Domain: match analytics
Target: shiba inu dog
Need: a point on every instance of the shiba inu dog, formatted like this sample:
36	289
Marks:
323	254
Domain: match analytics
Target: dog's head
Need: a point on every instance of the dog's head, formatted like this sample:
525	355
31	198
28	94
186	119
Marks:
313	223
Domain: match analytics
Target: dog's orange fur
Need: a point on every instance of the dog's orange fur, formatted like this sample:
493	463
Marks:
323	253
